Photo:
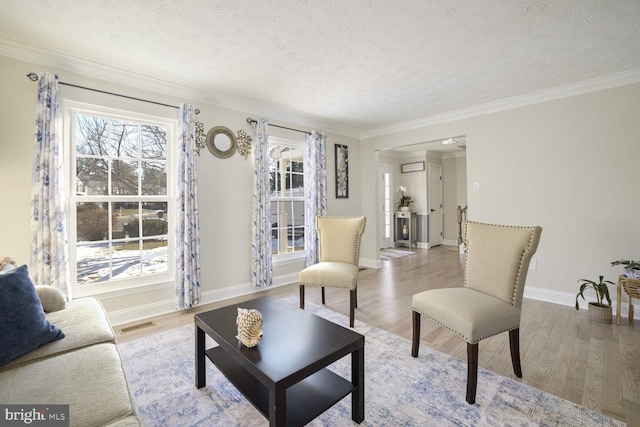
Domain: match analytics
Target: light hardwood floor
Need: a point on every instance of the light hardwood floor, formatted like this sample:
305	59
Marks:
562	352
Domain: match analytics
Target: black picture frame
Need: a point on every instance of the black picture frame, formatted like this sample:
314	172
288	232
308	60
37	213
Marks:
342	171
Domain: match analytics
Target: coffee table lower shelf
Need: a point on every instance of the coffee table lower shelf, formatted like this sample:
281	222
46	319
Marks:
306	399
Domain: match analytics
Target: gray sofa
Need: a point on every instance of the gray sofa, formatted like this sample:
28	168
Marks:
83	370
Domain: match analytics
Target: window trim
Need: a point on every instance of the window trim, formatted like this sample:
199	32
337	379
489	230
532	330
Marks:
70	109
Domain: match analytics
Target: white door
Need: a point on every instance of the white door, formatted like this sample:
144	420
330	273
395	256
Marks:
386	200
435	204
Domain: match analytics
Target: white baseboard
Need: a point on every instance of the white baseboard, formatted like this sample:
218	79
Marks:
146	311
134	314
569	299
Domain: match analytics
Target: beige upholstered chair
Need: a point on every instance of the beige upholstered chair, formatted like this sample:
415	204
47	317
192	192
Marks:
497	261
339	241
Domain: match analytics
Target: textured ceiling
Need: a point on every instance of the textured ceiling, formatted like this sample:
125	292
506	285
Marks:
356	65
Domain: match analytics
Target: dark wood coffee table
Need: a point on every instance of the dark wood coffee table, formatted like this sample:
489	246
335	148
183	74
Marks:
285	375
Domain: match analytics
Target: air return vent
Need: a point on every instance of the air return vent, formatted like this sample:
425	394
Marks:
137	327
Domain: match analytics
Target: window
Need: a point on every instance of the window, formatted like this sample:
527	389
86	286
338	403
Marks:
287	195
121	210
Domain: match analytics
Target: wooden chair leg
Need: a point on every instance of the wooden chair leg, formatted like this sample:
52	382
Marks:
302	297
322	295
514	344
415	344
352	308
472	372
355	291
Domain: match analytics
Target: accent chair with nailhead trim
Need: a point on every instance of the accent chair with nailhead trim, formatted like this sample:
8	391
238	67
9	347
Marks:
497	261
338	253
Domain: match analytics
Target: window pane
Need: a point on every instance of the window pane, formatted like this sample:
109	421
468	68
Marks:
124	177
92	135
121	215
125	139
125	260
92	176
287	222
154	178
154	221
92	222
154	256
92	263
154	142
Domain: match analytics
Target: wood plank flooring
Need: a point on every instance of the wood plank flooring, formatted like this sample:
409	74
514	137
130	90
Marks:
563	353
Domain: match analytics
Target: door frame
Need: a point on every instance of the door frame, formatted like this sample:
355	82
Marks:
436	214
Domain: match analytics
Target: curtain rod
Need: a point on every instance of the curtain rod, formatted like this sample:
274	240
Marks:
250	121
34	78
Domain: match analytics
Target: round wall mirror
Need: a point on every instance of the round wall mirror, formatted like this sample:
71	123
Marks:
221	142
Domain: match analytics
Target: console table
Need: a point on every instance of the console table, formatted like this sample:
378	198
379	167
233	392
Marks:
408	219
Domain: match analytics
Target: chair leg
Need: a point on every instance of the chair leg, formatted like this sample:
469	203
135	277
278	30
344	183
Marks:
472	372
514	344
302	297
352	308
415	344
322	295
355	291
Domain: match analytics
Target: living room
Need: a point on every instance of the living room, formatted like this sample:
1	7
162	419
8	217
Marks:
563	157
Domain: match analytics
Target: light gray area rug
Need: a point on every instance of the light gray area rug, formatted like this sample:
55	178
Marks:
399	390
390	253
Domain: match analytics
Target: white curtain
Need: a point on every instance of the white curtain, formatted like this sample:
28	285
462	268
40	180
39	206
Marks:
315	181
261	264
187	226
49	243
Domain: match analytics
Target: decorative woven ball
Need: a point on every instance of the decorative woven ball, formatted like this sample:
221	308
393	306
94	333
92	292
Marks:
249	322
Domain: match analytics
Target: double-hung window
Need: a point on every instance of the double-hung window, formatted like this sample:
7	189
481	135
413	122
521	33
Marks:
286	168
121	198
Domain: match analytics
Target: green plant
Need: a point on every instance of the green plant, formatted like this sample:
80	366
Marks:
602	292
628	264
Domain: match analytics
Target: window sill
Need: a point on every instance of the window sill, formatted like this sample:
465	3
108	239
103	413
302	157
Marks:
288	259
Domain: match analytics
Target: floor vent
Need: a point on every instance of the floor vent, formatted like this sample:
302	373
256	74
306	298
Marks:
137	327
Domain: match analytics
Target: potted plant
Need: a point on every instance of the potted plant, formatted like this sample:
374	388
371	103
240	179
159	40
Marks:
406	200
631	268
598	311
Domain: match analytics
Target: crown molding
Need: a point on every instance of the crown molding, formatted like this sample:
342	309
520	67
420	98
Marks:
64	62
91	69
592	85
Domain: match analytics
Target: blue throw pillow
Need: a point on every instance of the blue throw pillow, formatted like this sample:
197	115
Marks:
23	325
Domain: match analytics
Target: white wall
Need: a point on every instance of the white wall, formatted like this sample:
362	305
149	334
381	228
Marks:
569	165
225	188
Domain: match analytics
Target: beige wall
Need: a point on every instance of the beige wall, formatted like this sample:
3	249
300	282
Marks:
225	187
569	165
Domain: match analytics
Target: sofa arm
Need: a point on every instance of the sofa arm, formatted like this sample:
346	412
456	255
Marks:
51	298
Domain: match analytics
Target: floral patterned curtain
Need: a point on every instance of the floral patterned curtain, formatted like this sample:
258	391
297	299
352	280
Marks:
187	226
49	243
261	264
315	181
